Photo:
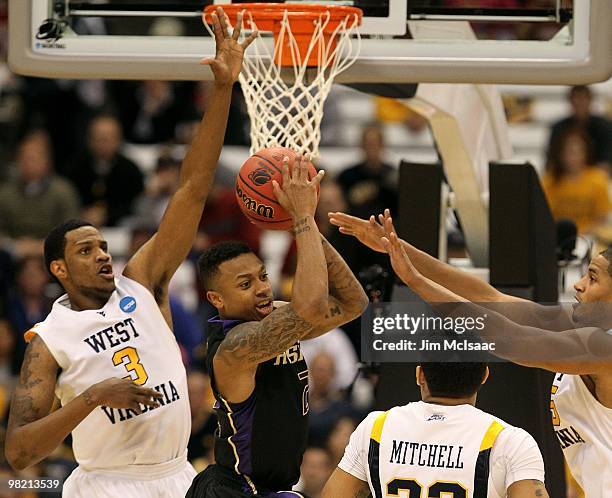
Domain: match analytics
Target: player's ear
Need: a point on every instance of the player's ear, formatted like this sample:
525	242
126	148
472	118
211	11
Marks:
214	298
486	375
420	376
58	269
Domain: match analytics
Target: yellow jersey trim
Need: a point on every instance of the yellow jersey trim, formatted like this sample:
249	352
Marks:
378	427
491	435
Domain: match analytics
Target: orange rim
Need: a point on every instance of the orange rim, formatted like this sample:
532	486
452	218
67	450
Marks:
267	15
302	17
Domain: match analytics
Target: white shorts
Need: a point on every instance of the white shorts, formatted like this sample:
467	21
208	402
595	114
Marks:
173	483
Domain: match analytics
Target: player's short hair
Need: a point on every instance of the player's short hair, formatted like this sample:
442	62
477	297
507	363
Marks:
211	259
454	380
55	243
607	253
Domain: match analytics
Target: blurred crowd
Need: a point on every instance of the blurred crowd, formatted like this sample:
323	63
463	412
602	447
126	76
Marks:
62	156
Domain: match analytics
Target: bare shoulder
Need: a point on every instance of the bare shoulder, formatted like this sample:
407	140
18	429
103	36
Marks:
37	357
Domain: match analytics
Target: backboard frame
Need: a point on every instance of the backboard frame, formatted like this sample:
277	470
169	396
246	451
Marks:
587	59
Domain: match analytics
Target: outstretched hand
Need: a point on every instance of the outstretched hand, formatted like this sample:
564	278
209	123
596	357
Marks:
400	261
368	232
227	63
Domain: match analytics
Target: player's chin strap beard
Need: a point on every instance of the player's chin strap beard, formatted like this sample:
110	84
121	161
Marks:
101	296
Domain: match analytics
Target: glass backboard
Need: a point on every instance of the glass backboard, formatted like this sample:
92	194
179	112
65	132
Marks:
403	41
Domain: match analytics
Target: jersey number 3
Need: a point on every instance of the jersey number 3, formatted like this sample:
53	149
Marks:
414	489
128	357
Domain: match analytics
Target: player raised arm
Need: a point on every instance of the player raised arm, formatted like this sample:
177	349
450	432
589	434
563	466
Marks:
347	298
155	263
33	431
369	232
308	313
578	351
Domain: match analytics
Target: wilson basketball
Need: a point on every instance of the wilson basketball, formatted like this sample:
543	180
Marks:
254	191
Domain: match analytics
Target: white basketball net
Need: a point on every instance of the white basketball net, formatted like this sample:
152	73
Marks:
289	114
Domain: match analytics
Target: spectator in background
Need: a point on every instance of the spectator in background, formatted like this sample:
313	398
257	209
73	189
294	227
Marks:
325	401
597	128
187	330
6	278
150	110
8	374
12	117
58	107
574	188
161	185
339	438
34	199
203	421
107	181
338	345
369	188
315	471
237	131
28	302
371	185
223	220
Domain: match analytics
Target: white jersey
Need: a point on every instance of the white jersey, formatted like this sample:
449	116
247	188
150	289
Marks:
584	429
128	337
426	449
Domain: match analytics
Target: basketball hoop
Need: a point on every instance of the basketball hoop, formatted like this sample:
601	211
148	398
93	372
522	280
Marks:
313	43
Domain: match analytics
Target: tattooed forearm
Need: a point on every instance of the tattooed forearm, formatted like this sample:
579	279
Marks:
343	285
88	398
363	493
255	342
301	226
333	310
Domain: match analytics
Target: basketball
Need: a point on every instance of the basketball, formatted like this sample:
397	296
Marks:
254	191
